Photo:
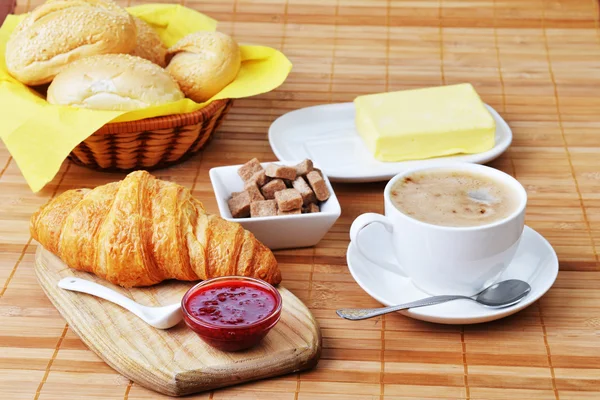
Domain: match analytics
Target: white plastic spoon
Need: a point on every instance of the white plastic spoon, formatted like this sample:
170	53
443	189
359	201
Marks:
158	317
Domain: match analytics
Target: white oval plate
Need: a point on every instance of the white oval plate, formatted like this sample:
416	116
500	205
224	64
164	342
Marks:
535	263
326	134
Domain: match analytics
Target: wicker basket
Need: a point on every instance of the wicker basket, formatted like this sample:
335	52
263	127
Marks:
150	143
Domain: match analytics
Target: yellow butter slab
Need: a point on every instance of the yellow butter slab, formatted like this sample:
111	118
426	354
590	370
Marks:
425	123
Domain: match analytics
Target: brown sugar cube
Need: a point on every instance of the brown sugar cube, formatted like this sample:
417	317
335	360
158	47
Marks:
265	208
311	208
318	185
308	196
279	212
233	194
254	193
247	170
240	205
304	167
271	188
259	179
288	199
281	171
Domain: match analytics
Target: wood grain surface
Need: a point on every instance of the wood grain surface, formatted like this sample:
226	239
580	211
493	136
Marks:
535	61
175	361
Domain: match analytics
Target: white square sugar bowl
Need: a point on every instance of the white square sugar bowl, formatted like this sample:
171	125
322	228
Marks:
281	231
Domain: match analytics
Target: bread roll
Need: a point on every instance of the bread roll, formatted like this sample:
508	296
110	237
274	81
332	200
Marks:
61	31
148	44
203	63
113	82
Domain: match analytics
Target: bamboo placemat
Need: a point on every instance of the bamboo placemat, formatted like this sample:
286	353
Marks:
536	62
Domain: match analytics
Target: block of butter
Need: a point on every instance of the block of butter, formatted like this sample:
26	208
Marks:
425	123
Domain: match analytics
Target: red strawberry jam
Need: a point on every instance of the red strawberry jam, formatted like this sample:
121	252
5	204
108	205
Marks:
232	303
232	313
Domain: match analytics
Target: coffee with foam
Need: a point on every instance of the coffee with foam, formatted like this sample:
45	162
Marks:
450	198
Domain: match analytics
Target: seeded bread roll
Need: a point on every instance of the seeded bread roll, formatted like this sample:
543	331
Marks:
61	31
148	44
204	63
113	82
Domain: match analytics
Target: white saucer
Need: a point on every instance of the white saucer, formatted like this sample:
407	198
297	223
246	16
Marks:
535	263
326	134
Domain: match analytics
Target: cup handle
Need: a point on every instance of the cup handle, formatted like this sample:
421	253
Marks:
362	222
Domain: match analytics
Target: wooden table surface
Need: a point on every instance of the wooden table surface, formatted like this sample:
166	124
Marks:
535	61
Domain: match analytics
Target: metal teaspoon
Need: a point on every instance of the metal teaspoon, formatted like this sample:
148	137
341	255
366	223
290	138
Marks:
499	295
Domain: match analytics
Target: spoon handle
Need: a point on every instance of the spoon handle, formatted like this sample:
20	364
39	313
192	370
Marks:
356	314
85	286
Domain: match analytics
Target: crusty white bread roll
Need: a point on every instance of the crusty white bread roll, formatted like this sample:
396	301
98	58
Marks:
61	31
148	44
113	82
203	63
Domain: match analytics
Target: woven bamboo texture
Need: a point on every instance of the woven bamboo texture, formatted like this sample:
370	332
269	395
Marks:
535	61
150	143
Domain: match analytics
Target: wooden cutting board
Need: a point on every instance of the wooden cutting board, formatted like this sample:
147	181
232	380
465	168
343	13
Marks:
176	361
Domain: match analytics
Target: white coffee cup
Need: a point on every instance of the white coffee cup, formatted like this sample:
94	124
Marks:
442	259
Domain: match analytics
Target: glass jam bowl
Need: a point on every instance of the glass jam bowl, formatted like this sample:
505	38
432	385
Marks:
232	313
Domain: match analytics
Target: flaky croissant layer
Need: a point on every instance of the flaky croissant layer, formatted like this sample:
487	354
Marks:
142	230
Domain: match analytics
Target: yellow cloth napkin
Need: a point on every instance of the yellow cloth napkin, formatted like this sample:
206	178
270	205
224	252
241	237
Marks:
40	136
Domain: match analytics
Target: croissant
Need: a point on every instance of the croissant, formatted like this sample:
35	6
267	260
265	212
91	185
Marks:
142	230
